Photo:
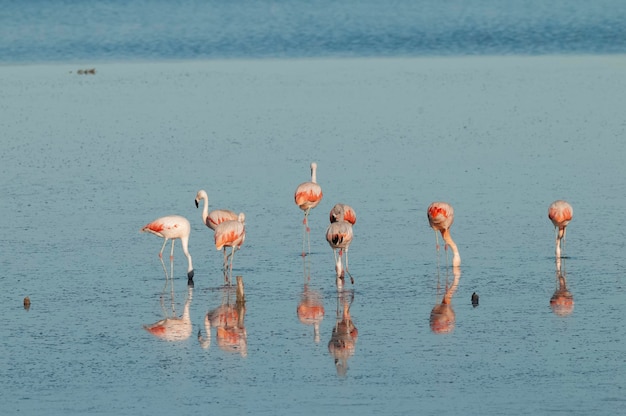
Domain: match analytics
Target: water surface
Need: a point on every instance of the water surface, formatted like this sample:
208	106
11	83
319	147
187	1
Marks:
89	159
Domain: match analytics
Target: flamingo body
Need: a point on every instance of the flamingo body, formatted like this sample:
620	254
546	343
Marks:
230	233
342	211
441	218
309	194
172	227
560	213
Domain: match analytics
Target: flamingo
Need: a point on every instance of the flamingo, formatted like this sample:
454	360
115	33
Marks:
214	218
307	196
441	217
172	227
344	211
560	213
339	236
230	234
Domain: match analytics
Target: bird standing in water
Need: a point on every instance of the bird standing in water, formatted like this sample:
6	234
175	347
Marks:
214	218
230	234
307	196
339	235
560	213
172	227
441	217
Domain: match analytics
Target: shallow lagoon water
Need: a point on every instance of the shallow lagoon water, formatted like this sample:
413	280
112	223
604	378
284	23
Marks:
87	160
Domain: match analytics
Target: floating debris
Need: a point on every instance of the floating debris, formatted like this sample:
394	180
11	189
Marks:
27	303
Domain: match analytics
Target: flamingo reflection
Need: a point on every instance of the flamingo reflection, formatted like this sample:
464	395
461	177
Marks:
342	343
311	310
228	321
442	316
562	301
173	328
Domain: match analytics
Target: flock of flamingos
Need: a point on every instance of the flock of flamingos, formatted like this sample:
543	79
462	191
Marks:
229	232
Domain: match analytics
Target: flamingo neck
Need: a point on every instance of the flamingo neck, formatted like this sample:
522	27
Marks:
456	258
339	266
185	243
314	174
560	235
205	208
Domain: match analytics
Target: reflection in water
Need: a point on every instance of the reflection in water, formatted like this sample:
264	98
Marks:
310	309
442	316
562	301
228	321
345	334
173	328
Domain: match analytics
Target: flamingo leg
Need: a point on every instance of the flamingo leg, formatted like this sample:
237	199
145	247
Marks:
230	269
348	270
306	233
225	265
164	268
558	243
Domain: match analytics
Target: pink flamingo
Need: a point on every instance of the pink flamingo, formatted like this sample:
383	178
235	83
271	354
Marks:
441	217
214	218
339	236
307	196
342	211
173	227
560	213
230	234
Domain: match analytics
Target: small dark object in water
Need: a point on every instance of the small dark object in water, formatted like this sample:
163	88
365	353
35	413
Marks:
27	303
90	71
474	299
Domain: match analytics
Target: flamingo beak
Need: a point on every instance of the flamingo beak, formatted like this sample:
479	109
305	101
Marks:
196	201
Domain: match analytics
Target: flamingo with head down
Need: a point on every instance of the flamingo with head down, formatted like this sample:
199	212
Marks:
173	227
440	218
560	213
339	235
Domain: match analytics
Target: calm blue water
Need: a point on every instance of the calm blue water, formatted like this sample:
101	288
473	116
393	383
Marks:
63	31
87	160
